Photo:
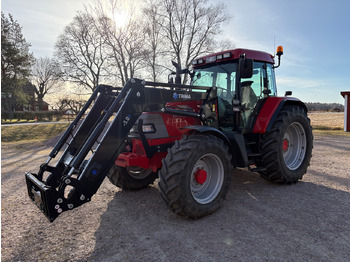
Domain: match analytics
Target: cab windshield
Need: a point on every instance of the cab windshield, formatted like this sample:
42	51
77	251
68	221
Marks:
223	76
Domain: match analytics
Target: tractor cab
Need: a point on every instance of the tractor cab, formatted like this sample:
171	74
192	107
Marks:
240	88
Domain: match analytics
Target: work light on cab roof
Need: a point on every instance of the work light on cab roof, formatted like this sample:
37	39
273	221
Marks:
212	59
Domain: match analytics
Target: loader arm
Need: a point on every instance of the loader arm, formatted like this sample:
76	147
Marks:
97	142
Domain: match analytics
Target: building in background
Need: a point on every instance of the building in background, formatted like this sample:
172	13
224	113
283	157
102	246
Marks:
346	95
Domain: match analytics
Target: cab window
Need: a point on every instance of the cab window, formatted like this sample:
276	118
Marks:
271	80
222	76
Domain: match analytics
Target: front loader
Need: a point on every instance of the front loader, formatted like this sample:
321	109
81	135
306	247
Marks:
190	136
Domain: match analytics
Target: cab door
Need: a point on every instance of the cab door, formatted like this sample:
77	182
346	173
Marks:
260	85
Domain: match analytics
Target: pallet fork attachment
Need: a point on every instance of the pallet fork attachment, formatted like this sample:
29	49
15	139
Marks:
76	176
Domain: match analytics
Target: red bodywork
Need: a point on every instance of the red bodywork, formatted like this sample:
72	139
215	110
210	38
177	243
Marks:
268	111
174	123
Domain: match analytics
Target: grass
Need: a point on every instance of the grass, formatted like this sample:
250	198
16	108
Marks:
323	125
16	121
330	132
31	133
328	124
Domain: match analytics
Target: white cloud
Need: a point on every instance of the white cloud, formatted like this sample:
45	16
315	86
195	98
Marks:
298	82
322	90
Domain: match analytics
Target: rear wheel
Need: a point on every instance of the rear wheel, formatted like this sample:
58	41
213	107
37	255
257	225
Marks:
195	176
131	178
286	149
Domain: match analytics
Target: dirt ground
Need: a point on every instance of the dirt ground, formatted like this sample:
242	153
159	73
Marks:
260	221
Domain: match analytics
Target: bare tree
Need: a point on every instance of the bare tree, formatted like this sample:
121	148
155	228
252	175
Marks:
95	45
45	77
73	104
80	51
190	27
125	43
155	44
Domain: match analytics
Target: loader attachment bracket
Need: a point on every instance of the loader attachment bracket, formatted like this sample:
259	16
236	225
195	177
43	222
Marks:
91	151
53	201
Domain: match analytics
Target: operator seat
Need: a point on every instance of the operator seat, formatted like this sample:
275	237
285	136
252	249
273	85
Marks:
248	100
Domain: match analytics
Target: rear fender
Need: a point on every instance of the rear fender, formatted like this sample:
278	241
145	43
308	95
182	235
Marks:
270	110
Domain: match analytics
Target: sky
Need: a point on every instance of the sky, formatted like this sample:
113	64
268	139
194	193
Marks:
315	36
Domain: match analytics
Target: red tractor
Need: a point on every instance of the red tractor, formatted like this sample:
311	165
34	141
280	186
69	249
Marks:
190	136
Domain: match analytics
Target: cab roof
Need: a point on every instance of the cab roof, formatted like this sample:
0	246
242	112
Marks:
232	55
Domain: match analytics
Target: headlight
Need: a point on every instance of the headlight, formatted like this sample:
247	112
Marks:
147	128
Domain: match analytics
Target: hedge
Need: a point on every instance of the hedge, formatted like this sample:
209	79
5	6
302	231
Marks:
30	115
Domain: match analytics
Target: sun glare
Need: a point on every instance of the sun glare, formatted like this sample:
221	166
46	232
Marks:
120	18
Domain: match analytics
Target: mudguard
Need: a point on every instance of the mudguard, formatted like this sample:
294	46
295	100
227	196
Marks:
269	111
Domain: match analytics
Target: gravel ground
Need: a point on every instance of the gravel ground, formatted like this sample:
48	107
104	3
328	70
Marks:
260	221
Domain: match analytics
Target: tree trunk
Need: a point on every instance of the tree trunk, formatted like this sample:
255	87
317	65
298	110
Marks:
9	107
40	103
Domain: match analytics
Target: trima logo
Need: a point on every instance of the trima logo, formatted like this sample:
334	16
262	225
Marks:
181	96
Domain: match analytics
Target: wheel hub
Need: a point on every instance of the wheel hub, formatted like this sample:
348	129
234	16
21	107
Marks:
294	146
207	178
285	144
200	176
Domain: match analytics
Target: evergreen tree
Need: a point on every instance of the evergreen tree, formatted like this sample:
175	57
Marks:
16	61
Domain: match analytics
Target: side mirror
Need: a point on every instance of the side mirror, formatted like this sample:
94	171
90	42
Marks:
246	68
177	74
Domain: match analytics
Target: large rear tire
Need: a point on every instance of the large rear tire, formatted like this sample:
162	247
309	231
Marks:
287	148
131	178
196	175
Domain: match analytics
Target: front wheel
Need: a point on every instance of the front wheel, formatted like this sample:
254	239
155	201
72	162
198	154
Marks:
131	178
287	148
195	175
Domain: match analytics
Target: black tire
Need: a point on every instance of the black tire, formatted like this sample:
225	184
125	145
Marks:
196	175
131	178
287	148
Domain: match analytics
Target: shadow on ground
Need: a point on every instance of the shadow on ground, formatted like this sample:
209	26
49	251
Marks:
259	222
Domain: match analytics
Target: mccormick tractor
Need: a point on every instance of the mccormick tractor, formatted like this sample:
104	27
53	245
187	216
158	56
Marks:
190	136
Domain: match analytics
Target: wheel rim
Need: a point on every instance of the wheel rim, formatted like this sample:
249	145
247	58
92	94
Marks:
138	172
207	178
294	146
